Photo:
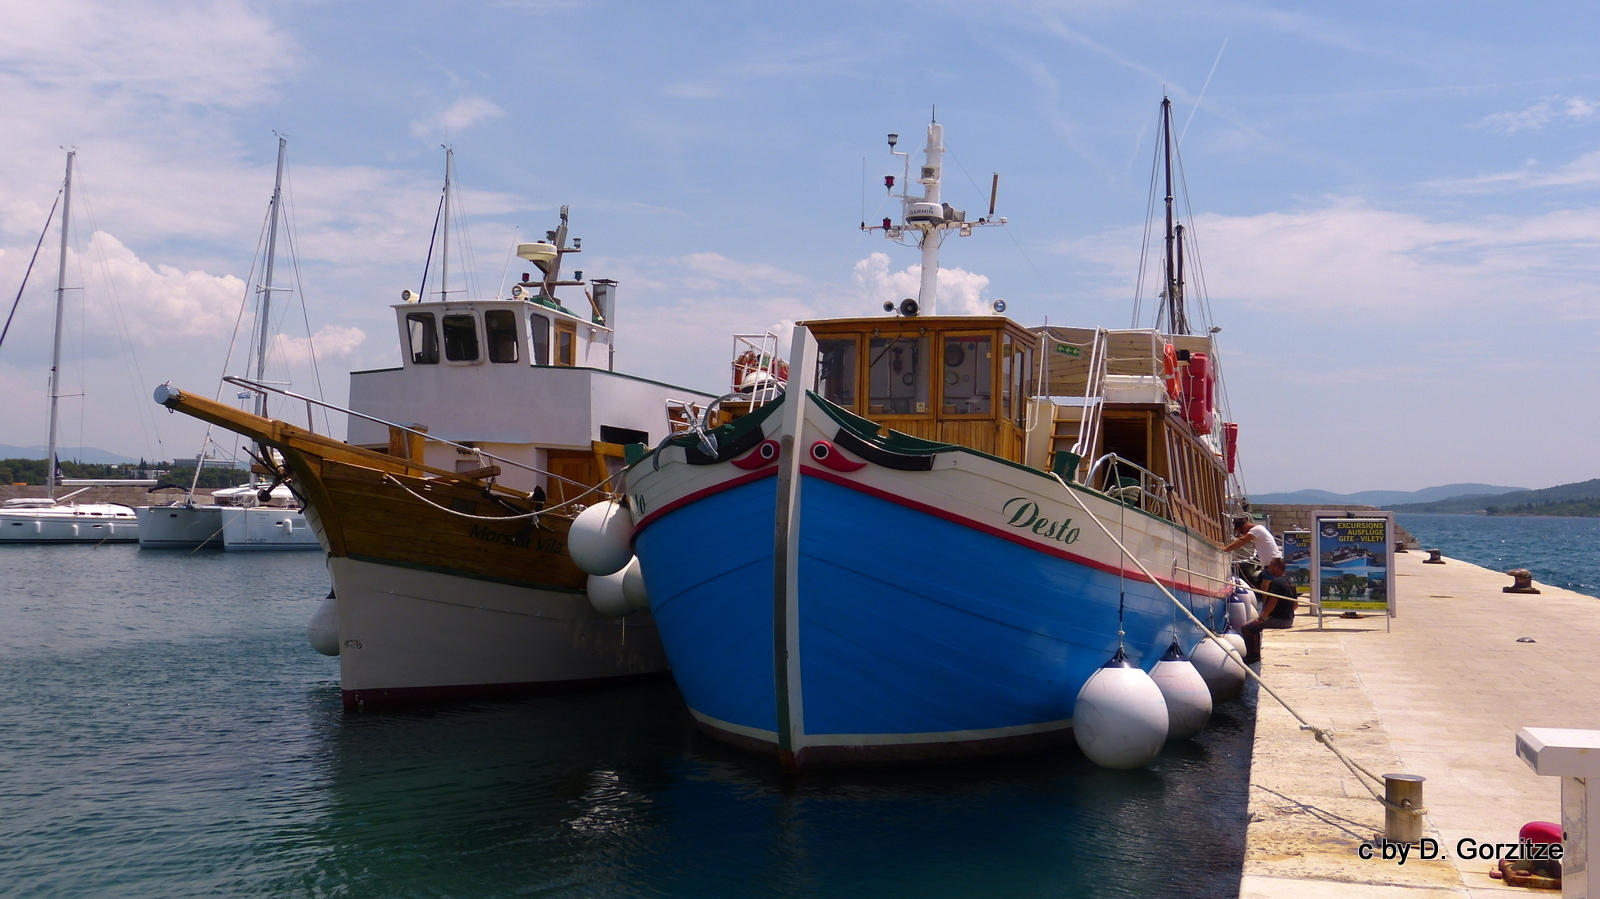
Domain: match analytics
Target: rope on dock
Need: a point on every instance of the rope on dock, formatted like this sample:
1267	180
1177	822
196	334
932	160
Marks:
1323	735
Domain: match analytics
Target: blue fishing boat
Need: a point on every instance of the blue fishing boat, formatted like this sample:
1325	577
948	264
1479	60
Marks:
941	526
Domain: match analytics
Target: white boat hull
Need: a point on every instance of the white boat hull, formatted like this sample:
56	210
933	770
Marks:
72	523
266	528
179	527
408	635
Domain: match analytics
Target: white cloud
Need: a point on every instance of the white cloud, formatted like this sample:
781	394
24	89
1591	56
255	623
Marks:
1569	109
960	291
329	343
1350	255
461	115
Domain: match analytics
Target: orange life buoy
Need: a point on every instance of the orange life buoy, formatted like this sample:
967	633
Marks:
1169	368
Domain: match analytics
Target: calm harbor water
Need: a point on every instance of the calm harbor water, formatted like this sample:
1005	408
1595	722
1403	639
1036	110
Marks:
1561	552
167	731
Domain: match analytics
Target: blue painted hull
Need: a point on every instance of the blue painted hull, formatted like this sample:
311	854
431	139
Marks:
919	636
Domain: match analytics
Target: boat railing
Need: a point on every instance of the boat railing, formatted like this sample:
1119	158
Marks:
759	372
1093	397
1130	484
477	452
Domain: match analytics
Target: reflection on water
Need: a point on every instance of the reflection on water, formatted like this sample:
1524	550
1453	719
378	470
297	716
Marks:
208	754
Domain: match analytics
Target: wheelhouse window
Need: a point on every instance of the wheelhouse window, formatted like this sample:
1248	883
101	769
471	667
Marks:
500	325
1016	379
461	338
897	377
423	337
566	343
539	331
836	375
968	375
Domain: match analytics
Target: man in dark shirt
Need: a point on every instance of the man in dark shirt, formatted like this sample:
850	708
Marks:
1277	609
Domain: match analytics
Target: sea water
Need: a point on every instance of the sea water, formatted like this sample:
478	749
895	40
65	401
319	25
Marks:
1561	552
165	730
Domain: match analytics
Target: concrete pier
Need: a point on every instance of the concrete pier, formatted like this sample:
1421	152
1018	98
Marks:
1442	696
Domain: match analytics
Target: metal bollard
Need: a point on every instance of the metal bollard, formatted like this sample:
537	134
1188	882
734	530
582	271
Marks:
1433	558
1399	824
1521	582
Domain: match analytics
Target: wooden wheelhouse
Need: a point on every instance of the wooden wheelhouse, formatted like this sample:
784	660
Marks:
1099	407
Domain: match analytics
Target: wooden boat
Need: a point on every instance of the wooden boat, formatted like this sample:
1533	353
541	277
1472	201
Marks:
445	517
899	559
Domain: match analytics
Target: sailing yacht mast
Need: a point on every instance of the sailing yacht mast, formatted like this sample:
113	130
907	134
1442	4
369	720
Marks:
1177	320
444	251
264	307
61	299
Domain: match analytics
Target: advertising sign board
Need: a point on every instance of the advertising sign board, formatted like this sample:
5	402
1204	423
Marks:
1352	561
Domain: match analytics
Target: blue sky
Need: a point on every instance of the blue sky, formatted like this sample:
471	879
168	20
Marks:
1396	206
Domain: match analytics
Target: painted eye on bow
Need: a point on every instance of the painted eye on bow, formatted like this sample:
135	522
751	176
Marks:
824	453
764	454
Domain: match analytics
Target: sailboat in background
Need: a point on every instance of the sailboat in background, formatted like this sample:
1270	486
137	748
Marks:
247	517
51	519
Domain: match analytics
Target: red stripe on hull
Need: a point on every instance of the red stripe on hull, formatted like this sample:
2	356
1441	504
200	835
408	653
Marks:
1130	573
682	501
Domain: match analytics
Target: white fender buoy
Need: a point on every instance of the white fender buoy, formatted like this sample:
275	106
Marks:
1188	698
1120	717
322	632
1222	670
599	538
633	587
1238	610
1248	597
1236	640
606	595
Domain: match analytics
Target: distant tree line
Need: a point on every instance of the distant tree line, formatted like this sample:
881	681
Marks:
1576	500
36	473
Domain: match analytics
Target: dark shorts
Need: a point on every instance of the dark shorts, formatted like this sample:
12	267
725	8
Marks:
1278	623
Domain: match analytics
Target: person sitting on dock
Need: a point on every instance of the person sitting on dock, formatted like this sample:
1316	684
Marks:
1245	530
1277	612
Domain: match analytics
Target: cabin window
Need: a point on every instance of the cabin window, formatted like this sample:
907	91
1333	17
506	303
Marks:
424	338
566	343
500	325
461	338
968	376
1016	379
836	374
898	376
539	330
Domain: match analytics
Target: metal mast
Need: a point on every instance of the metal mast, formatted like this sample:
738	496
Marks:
264	290
61	299
444	251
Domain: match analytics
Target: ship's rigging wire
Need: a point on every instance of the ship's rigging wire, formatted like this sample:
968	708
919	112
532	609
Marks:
24	286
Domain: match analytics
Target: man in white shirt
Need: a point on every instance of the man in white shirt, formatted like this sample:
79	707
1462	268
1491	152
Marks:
1245	531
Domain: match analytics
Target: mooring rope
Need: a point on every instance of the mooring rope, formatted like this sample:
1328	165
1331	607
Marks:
1323	735
534	515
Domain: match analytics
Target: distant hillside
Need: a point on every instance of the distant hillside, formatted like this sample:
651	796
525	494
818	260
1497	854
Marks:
1579	500
87	454
1382	497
